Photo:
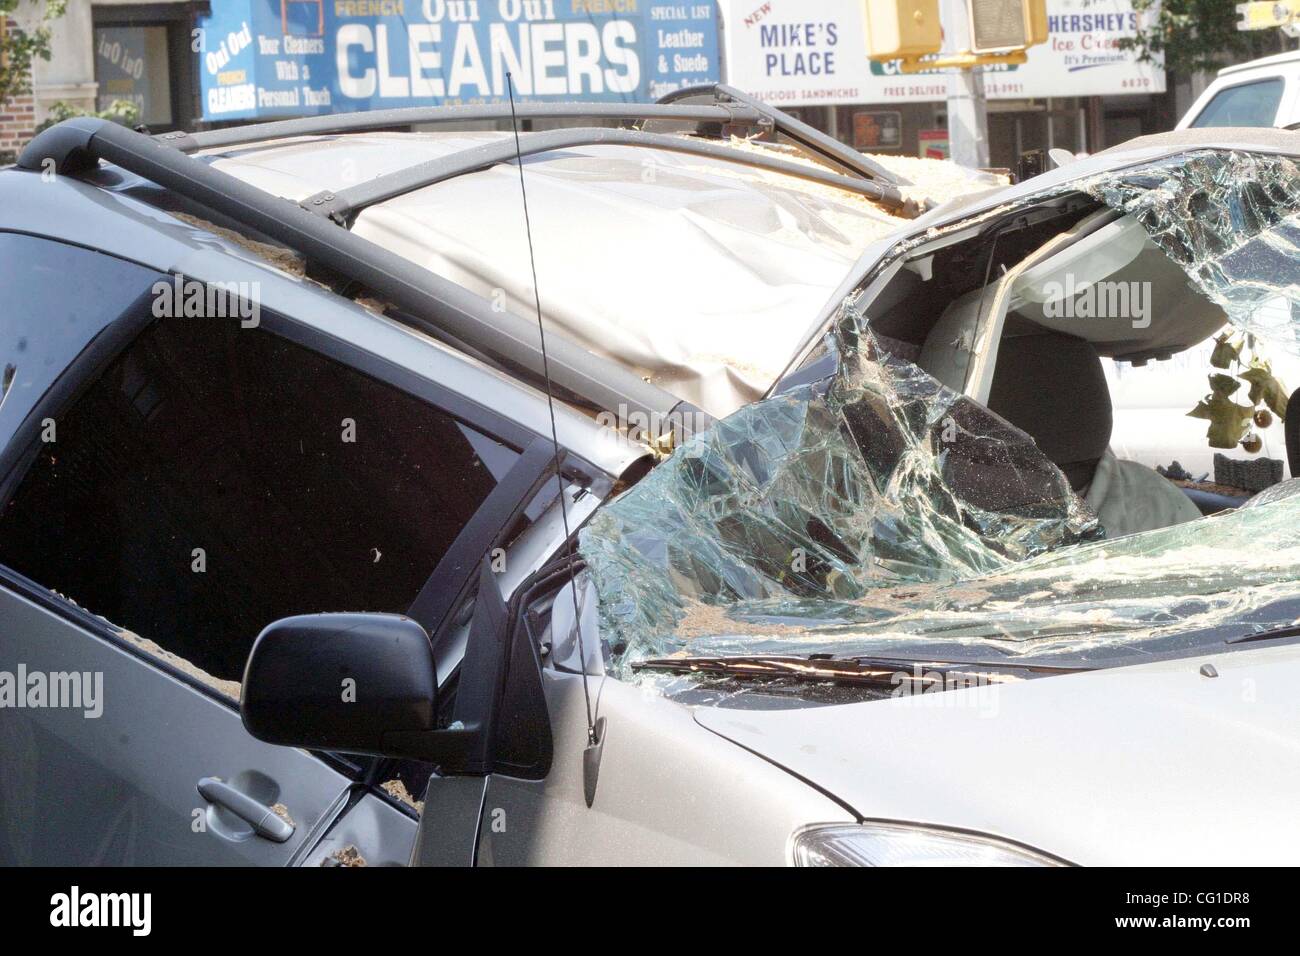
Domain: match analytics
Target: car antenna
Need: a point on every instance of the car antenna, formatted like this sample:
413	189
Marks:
595	735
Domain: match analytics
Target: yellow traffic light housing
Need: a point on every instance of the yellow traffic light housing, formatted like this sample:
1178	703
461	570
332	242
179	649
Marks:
1000	26
902	29
909	31
1266	14
997	26
1036	11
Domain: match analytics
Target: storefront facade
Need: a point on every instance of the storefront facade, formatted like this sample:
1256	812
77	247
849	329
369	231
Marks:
145	53
271	58
1078	91
193	64
107	50
188	65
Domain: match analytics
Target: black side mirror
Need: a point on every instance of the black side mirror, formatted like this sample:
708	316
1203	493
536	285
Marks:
351	683
367	684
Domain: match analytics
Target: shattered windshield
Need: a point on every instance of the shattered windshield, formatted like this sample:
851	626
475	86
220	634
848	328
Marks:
1232	221
878	511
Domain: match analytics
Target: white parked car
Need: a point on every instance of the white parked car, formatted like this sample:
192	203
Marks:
1263	92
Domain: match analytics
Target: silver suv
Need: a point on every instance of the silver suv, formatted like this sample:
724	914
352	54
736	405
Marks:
315	551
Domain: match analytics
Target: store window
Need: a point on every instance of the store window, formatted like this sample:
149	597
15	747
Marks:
131	63
876	130
146	54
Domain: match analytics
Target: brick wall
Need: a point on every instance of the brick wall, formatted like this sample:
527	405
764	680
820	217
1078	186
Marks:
17	123
17	116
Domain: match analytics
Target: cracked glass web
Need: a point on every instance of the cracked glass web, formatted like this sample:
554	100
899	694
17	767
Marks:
877	510
1231	220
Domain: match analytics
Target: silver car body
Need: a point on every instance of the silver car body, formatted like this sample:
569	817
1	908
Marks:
1152	763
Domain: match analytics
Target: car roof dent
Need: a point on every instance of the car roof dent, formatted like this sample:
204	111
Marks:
746	249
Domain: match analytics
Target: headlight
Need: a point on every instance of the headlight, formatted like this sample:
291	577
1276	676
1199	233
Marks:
901	844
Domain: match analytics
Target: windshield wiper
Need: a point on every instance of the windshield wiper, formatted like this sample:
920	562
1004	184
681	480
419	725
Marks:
916	673
1272	634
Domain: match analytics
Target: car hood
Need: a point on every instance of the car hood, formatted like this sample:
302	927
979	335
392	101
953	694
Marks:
1155	764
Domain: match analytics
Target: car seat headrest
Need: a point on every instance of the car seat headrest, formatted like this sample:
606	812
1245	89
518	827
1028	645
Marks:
1052	386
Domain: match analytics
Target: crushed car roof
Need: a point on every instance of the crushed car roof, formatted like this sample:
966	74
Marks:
740	256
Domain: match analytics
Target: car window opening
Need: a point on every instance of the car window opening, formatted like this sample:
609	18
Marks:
217	478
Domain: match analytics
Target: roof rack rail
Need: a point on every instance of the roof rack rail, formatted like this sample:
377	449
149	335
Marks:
729	107
435	305
408	116
343	205
810	138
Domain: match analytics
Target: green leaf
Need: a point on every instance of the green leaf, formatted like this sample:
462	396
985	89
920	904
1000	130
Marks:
1264	387
1228	420
1225	353
1224	385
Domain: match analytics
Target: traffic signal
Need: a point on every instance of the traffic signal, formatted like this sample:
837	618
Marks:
1000	32
902	29
1037	21
1000	25
994	33
1266	14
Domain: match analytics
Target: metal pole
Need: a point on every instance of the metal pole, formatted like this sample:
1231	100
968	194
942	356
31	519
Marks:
968	121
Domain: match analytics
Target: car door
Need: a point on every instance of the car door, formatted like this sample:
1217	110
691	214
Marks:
170	486
103	745
111	777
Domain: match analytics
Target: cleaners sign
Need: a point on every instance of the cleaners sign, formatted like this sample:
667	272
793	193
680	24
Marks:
810	52
265	58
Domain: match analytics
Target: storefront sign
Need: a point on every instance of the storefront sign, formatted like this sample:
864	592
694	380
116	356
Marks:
296	57
811	52
933	143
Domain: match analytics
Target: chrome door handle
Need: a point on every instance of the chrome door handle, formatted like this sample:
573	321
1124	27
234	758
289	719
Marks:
264	821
